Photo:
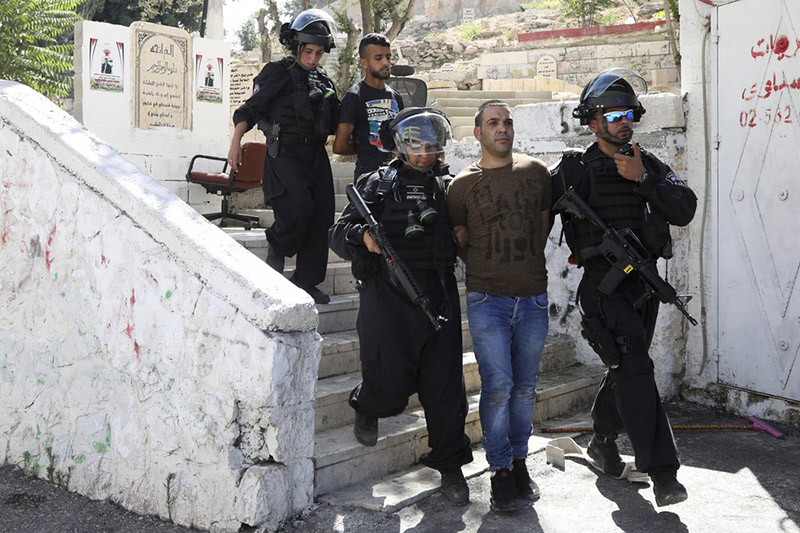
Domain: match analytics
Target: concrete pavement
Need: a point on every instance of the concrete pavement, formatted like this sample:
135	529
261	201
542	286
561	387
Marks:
743	481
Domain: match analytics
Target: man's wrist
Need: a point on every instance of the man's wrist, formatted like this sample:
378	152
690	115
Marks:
642	177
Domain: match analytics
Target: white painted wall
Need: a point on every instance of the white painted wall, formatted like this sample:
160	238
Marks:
545	130
163	153
145	356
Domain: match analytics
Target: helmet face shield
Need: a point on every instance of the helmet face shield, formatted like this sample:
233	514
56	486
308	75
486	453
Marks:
422	133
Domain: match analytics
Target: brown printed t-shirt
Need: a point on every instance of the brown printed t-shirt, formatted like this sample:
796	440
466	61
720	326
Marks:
502	209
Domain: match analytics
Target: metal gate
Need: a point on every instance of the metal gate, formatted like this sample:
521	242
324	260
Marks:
758	196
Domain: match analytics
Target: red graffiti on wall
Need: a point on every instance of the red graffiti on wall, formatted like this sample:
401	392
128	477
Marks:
781	46
770	87
750	118
47	261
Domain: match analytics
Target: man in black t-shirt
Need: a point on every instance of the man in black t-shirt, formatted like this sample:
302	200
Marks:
367	104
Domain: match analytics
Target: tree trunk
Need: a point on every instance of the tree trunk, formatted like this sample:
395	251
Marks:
272	7
346	55
399	22
671	35
366	16
265	46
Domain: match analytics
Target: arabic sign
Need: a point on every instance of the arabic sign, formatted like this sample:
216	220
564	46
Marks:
547	67
208	78
107	65
161	87
772	88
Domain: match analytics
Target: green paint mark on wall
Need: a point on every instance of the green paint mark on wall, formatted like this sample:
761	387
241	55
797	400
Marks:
168	295
48	442
63	294
55	276
103	447
38	432
79	458
40	381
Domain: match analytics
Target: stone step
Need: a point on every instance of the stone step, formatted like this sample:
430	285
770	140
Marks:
338	278
343	170
332	409
481	95
469	102
255	240
463	133
341	461
462	110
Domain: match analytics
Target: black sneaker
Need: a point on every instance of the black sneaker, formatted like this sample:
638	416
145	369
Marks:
527	489
454	486
603	451
366	429
504	493
667	489
275	260
319	296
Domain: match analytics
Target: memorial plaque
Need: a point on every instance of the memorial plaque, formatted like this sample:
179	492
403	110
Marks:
546	67
241	86
468	15
107	64
208	78
161	76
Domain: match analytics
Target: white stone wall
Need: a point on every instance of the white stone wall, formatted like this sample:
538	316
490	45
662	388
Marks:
145	357
163	153
578	63
545	130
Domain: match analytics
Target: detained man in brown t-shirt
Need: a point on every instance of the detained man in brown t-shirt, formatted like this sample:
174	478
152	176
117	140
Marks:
500	210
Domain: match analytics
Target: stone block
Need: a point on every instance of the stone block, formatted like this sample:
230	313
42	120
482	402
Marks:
264	496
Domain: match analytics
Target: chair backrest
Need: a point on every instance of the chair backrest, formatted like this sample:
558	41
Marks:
252	167
413	91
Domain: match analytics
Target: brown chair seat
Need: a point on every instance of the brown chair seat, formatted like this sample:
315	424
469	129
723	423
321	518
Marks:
224	183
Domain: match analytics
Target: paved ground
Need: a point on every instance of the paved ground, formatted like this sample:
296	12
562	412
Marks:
742	481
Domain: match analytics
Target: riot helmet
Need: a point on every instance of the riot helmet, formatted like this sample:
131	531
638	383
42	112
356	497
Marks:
614	87
312	26
416	130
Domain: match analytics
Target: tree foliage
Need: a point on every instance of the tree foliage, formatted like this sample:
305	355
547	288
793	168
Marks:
585	12
33	46
248	36
186	14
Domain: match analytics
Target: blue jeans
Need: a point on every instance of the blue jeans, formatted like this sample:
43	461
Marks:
508	336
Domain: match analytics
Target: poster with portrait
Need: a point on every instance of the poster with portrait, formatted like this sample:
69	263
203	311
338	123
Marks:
107	65
208	78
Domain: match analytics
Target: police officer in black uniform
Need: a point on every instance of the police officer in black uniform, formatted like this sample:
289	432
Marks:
294	102
628	188
401	353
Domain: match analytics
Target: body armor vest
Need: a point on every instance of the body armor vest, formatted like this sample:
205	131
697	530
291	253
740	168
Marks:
293	109
616	203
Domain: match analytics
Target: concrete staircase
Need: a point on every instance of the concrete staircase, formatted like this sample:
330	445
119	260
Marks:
460	106
564	385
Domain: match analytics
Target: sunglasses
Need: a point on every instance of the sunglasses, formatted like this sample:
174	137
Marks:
616	116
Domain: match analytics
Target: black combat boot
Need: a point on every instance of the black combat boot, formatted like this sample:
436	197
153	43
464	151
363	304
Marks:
504	492
319	296
527	489
366	429
454	486
603	451
275	260
667	488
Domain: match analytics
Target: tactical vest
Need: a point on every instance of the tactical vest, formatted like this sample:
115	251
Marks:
431	251
616	203
294	111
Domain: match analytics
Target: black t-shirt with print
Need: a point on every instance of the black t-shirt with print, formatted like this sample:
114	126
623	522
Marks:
365	108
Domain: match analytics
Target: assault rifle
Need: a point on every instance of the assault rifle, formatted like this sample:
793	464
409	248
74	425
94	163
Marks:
397	269
623	249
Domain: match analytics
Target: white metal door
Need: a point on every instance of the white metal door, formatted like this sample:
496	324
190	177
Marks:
758	196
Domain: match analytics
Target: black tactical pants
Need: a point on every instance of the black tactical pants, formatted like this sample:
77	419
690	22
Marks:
401	354
628	399
298	185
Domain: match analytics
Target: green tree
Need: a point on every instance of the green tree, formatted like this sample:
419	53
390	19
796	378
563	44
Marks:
584	12
248	36
33	47
186	14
